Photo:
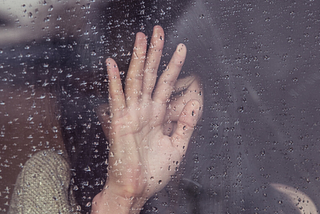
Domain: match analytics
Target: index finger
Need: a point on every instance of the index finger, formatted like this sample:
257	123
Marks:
117	100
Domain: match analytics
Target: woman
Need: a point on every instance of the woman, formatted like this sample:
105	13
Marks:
146	146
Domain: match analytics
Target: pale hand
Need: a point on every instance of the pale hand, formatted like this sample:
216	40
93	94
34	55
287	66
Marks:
143	155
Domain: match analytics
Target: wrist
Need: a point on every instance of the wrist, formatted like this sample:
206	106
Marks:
107	201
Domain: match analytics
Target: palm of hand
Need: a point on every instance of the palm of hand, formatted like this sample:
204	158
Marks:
142	158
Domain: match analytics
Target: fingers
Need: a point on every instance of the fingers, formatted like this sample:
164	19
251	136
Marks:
152	62
168	78
117	100
134	77
185	126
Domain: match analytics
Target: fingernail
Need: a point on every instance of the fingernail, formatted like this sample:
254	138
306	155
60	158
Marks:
140	36
108	61
181	49
157	32
196	108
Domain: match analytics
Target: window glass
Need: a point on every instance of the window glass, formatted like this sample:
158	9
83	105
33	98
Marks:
255	148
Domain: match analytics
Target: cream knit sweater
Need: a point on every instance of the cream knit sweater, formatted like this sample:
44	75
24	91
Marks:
43	186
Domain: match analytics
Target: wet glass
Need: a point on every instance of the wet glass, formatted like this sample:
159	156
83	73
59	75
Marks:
255	148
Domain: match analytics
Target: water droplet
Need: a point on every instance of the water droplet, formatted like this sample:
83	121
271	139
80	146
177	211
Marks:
87	169
240	109
54	129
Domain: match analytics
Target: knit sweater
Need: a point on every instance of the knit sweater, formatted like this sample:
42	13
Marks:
43	186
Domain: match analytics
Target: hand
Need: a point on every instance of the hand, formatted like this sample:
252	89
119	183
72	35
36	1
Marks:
142	155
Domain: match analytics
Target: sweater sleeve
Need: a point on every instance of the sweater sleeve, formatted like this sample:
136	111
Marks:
43	186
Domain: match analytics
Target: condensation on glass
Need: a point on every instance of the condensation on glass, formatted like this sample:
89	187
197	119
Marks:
256	149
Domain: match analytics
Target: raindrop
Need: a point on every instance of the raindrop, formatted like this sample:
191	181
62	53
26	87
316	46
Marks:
87	169
241	109
47	19
111	154
54	129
